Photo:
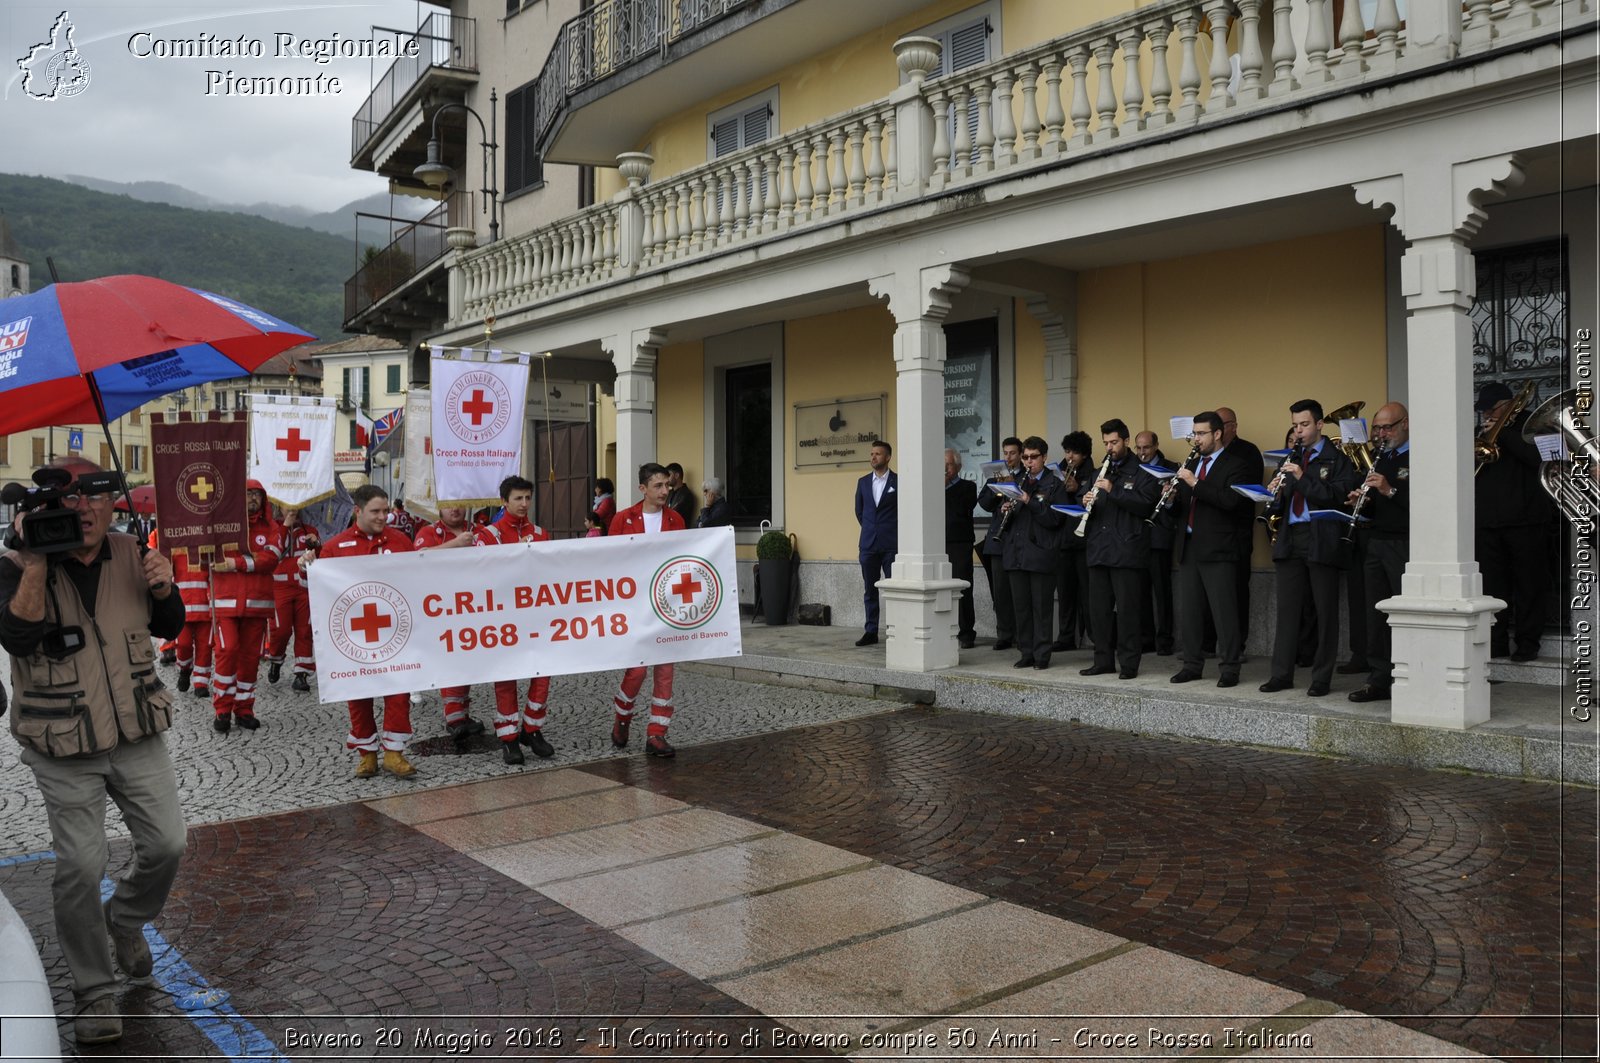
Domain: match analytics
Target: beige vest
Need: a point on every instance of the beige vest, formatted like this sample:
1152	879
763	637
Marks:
106	692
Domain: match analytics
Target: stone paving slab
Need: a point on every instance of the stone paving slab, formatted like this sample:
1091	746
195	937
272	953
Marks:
508	826
586	852
467	799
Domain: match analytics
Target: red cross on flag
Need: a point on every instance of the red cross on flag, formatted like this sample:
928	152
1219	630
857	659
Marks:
291	448
479	409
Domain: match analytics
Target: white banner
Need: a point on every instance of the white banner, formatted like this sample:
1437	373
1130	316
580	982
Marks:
393	623
417	447
479	410
291	448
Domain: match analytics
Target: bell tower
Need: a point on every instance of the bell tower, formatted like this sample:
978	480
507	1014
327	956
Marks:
13	266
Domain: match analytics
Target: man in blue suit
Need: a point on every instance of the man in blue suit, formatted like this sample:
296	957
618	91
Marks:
878	513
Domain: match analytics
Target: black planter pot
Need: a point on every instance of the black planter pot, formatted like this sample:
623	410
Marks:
774	577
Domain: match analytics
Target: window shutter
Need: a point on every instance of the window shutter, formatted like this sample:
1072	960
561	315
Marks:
965	47
515	135
757	125
725	138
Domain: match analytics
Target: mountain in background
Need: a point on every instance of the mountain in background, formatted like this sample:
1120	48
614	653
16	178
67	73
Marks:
293	272
339	222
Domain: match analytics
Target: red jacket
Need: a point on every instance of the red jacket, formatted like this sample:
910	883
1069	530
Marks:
509	529
296	541
353	543
630	521
193	587
247	591
437	534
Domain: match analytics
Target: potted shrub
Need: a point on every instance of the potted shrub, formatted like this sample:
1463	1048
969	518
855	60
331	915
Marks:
773	553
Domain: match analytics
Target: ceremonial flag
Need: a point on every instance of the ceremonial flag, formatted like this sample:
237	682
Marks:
417	424
292	441
384	425
199	469
394	623
479	409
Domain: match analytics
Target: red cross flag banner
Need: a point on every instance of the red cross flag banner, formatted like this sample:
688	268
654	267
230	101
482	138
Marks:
478	420
291	448
416	429
397	623
199	469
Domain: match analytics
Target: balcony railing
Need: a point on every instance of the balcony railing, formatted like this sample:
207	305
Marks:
608	37
1063	101
414	247
443	41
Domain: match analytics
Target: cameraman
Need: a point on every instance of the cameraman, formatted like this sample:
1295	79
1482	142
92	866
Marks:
88	714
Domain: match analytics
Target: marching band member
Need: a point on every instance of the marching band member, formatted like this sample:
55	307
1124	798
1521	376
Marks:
1387	494
1209	553
292	604
452	531
1245	519
989	550
241	604
960	498
1122	498
518	725
1513	516
368	535
1072	574
1032	552
1307	551
649	516
1155	604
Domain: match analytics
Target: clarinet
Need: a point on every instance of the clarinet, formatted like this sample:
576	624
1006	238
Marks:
1361	499
1005	511
1088	507
1169	490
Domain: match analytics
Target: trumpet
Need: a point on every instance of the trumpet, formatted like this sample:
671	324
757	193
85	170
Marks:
1169	490
1088	507
1366	489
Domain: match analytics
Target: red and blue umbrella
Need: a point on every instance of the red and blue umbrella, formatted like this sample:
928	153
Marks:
94	350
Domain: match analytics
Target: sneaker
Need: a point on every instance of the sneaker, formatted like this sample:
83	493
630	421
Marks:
367	766
658	746
247	720
395	763
98	1023
300	682
222	723
274	671
183	678
619	733
537	744
511	752
133	952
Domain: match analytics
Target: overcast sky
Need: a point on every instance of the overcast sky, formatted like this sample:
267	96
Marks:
151	119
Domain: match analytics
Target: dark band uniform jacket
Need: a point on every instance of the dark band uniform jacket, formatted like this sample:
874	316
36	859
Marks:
1118	535
1390	518
960	497
1325	484
991	501
1216	506
1033	538
1161	529
1508	491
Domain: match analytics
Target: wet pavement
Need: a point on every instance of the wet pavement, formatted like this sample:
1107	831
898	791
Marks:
845	879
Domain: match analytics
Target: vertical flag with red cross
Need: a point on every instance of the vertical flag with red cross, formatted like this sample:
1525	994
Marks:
292	440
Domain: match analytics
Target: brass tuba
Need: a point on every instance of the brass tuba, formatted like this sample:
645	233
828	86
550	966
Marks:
1485	449
1360	454
1571	483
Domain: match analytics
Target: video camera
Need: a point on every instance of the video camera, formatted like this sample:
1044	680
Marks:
48	526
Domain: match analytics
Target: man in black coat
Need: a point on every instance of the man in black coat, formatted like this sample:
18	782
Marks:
1244	520
989	550
1513	515
1307	555
960	499
1072	577
1208	551
680	497
717	511
1155	613
1387	532
1122	498
1032	553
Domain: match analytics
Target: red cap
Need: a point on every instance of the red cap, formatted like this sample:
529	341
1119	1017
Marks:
254	485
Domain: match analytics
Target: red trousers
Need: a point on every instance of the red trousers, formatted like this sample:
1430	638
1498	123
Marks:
660	700
396	724
238	659
293	617
455	704
508	713
194	651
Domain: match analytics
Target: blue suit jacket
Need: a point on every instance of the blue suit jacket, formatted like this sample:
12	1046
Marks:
880	523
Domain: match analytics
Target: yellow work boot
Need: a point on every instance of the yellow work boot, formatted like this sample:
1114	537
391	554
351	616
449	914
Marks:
367	766
395	763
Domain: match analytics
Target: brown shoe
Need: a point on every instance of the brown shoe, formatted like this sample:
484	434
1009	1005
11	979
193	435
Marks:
367	766
396	764
98	1023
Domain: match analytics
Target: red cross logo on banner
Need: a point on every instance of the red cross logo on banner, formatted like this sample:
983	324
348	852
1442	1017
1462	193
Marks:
686	592
478	407
293	444
370	624
686	588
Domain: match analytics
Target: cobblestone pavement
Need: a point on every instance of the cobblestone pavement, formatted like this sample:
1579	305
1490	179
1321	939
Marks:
1459	906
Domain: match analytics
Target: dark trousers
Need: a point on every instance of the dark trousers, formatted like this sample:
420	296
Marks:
1005	615
1356	600
1515	566
1208	589
1155	613
1247	545
1118	589
1299	578
1385	564
960	555
874	566
1030	596
1072	589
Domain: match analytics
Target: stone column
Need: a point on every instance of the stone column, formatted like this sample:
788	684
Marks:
634	355
1441	618
920	598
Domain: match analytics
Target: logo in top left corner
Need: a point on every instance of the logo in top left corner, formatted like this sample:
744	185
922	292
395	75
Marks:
55	69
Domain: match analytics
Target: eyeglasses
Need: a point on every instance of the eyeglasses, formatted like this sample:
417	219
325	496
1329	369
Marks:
1032	457
1376	427
73	501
